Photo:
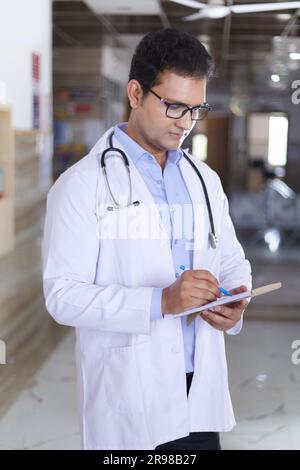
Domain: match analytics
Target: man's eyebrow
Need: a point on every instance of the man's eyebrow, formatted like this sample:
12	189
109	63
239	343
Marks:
181	103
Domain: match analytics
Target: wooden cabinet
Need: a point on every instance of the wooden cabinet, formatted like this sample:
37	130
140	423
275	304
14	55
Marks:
7	182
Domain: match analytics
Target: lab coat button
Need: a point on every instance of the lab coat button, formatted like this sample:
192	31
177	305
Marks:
175	349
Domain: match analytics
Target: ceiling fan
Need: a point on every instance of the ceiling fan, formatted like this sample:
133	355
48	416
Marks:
216	8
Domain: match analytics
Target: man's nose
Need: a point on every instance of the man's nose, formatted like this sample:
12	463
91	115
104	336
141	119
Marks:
185	122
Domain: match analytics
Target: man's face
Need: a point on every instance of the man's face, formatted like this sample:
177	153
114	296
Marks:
158	130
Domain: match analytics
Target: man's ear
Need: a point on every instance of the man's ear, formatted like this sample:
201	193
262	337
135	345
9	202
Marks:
135	93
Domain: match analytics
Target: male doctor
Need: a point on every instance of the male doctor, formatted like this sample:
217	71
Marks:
113	269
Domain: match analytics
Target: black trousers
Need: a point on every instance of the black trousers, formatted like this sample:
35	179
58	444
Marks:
195	440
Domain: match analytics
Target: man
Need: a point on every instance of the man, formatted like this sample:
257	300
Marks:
119	272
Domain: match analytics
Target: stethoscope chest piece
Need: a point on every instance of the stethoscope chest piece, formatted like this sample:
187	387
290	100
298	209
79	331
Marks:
213	240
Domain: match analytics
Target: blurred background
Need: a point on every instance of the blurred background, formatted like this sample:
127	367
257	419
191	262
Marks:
63	72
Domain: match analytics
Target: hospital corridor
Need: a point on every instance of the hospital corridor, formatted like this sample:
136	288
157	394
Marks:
149	165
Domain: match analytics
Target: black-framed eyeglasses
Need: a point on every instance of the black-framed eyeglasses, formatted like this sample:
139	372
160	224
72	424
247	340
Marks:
178	110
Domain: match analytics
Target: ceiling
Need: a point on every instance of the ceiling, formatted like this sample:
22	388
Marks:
240	44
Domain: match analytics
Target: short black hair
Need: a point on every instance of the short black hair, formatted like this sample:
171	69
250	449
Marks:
169	49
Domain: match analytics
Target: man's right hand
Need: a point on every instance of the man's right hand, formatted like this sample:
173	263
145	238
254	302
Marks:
195	287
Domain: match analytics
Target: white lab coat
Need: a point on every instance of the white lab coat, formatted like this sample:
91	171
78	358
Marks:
131	372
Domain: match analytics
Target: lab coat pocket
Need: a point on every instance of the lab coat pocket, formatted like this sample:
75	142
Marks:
122	378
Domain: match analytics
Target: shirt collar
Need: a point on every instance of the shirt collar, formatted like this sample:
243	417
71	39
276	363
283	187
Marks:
135	150
131	147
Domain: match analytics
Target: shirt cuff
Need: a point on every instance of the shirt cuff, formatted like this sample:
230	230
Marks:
155	310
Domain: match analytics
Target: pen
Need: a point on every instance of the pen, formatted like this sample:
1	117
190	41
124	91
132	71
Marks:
224	291
221	289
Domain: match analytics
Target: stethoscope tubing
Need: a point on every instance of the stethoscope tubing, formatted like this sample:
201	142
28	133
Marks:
120	153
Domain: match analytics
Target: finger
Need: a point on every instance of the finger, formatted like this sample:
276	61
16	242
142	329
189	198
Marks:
231	309
202	274
241	305
212	324
238	290
203	296
217	327
207	285
229	313
207	320
217	321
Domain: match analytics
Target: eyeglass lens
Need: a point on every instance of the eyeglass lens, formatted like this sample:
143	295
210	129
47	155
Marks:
177	111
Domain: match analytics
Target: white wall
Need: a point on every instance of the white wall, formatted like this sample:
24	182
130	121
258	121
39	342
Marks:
26	27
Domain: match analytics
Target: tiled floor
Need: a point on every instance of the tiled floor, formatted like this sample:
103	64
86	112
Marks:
265	388
44	415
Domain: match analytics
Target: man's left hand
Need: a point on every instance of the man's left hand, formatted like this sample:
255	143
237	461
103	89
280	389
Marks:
226	316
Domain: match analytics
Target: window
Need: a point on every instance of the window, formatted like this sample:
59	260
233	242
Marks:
199	146
277	146
268	138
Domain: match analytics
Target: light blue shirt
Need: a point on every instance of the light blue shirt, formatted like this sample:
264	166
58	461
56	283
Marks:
169	191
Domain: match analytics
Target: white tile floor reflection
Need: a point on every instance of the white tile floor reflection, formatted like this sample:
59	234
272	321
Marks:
265	387
44	415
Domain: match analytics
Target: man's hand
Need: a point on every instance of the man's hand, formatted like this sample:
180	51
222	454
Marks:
226	316
193	288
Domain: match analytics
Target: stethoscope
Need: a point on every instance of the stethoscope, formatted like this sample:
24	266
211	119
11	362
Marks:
213	239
